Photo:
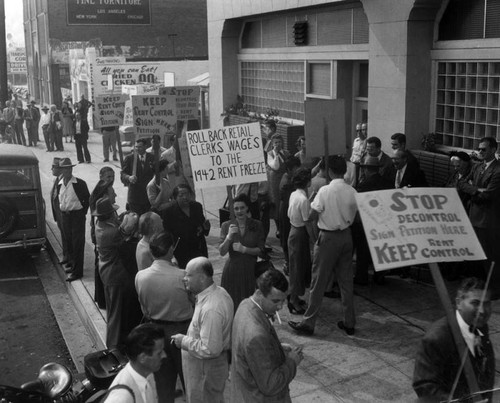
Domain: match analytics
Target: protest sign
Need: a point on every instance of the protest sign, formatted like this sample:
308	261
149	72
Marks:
226	156
417	225
153	114
138	89
187	99
109	110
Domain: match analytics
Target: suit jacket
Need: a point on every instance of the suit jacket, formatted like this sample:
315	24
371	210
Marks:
484	210
261	370
437	363
413	177
137	191
374	182
81	191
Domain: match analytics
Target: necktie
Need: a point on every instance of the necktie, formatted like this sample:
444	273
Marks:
399	176
483	168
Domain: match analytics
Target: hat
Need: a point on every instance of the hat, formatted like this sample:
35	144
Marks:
130	224
370	162
461	155
33	102
45	108
65	163
103	207
55	163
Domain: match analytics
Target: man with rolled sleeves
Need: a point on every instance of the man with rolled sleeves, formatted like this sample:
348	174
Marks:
335	209
74	203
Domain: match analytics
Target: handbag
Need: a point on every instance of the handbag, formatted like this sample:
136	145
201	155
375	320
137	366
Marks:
262	266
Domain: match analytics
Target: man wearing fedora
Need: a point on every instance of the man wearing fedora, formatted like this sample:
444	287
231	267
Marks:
56	211
74	203
372	181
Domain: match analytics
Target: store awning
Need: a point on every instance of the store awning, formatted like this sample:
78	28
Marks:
202	80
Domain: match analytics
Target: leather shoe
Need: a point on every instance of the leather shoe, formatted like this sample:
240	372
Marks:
348	330
301	327
72	277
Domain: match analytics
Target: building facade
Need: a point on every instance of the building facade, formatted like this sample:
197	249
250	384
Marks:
150	30
411	66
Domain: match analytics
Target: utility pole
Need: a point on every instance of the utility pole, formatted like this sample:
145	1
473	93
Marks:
3	56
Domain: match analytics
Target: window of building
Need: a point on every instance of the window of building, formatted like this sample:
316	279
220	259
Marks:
362	91
274	85
467	103
470	19
319	79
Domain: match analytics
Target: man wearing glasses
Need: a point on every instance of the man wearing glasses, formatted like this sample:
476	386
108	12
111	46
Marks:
482	185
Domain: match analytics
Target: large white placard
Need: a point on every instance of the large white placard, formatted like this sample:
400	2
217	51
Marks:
187	99
109	110
153	114
417	225
226	156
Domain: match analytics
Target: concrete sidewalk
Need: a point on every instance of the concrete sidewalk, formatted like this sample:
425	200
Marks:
375	365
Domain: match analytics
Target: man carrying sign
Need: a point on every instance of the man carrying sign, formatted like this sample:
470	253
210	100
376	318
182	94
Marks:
335	207
437	362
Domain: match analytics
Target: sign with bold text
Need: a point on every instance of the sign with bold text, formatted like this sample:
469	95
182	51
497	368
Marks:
187	99
109	110
226	156
417	225
153	114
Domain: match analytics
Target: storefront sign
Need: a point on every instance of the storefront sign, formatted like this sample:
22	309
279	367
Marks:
153	114
108	12
417	225
17	61
226	156
187	99
109	110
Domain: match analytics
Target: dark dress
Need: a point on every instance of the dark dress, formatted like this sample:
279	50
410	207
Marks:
189	230
238	276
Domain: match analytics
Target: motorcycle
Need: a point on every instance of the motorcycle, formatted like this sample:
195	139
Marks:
56	384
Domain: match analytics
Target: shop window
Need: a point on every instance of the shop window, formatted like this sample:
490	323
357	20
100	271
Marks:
363	81
319	79
274	85
467	102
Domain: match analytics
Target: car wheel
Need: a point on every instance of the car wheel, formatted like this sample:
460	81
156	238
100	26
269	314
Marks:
8	217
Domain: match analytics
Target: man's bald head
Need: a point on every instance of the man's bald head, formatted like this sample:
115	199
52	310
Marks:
199	274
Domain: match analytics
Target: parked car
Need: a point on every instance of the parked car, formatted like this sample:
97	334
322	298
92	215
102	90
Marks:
22	208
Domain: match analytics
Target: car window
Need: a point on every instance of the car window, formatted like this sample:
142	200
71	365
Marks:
16	178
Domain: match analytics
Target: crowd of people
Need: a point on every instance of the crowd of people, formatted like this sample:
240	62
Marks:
159	244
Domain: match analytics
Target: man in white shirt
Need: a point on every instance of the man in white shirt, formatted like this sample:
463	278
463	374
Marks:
438	361
45	122
335	208
135	383
208	340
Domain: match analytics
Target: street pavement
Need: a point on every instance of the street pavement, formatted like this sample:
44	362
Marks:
374	365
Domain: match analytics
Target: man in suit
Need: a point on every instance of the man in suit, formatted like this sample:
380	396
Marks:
55	129
407	174
137	198
56	211
438	361
135	383
30	117
262	368
385	166
482	185
74	203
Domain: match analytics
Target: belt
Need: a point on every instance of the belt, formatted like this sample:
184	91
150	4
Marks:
71	211
333	230
168	322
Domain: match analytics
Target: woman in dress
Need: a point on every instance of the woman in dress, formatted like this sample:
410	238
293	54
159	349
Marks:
243	237
185	220
68	122
276	163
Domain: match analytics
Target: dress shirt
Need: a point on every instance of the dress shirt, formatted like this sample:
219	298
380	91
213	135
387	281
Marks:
67	197
209	333
298	208
131	378
469	337
336	206
358	149
78	127
162	293
399	175
45	119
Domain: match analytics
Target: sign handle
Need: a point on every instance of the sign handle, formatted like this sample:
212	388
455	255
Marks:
156	154
455	330
230	202
119	145
134	166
